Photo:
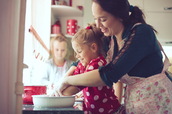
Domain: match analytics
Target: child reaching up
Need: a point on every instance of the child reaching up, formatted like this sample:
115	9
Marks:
87	44
57	66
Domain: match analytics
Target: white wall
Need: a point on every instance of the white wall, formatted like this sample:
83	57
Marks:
168	52
10	54
88	17
37	15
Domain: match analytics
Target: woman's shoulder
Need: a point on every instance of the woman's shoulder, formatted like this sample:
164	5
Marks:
143	27
145	34
144	30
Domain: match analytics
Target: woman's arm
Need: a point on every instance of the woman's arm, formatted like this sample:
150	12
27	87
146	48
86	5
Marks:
90	79
118	87
135	58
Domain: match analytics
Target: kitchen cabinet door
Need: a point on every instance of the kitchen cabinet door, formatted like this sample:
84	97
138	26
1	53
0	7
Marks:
158	6
162	22
138	3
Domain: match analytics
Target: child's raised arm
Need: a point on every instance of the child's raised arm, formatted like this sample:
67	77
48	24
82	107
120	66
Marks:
70	71
118	87
71	90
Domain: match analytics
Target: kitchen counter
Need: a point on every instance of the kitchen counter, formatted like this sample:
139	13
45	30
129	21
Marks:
31	109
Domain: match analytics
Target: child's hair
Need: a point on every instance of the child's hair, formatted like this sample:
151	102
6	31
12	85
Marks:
89	35
59	37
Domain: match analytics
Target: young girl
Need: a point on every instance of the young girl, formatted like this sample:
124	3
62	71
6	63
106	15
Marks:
87	44
57	66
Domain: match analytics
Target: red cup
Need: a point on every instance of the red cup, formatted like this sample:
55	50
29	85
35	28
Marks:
72	27
33	90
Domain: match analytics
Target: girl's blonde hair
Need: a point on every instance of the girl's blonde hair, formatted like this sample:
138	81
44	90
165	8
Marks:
61	38
89	35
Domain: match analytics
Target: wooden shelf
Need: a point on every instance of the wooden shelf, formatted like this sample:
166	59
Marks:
64	11
68	36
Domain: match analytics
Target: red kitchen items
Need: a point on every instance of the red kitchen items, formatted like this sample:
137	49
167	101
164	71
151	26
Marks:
56	28
72	27
33	90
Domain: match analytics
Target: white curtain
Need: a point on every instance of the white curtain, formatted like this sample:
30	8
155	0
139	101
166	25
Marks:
38	14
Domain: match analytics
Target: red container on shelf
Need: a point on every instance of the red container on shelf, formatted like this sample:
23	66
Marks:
56	28
33	90
72	27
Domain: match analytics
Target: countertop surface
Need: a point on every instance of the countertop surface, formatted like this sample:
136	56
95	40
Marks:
31	109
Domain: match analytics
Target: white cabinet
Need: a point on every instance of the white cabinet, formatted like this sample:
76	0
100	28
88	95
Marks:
164	6
158	14
162	22
138	3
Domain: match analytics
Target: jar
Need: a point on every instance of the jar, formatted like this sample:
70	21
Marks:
56	28
72	27
30	90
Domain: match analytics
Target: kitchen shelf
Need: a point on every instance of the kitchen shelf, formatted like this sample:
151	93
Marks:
68	36
64	11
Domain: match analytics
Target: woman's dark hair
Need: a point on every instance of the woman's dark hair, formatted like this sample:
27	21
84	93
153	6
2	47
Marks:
120	9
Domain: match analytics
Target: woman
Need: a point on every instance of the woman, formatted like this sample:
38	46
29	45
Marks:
134	58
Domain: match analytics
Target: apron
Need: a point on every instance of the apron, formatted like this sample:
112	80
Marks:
152	95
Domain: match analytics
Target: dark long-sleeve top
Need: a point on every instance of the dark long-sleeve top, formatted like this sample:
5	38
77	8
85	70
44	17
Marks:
141	56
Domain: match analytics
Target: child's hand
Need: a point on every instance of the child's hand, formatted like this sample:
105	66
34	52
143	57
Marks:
52	86
59	87
53	93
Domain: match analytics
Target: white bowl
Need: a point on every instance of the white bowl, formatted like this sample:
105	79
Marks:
53	102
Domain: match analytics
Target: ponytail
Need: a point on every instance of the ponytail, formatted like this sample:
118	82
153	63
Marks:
137	16
121	9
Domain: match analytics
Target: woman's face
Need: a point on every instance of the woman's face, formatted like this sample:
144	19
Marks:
59	50
108	24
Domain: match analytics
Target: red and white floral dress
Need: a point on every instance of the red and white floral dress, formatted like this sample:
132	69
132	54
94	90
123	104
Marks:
97	100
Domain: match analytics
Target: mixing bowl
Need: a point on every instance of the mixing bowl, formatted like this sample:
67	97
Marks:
53	102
